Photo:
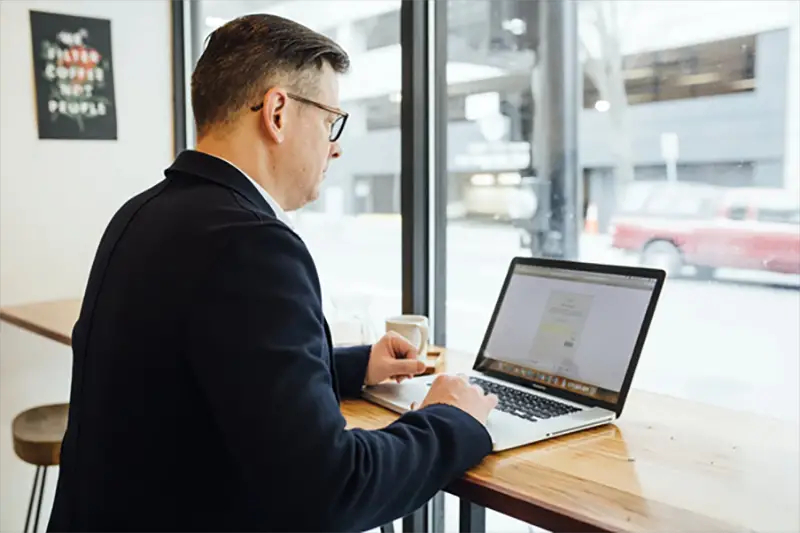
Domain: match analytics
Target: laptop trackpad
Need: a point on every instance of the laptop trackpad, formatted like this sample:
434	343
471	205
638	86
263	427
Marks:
399	394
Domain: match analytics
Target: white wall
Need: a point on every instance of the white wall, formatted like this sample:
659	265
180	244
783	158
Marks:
56	198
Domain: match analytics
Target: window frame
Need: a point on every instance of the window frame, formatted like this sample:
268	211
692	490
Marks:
423	175
179	53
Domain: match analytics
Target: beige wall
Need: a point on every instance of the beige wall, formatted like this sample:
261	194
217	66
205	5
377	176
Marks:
56	198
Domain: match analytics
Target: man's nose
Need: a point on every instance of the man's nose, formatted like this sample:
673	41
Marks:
336	151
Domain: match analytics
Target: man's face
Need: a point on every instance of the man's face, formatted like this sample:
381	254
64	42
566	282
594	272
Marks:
306	151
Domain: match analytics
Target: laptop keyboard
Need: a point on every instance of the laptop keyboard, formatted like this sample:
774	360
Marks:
522	404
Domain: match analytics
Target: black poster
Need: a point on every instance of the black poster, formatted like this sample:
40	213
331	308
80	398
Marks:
74	77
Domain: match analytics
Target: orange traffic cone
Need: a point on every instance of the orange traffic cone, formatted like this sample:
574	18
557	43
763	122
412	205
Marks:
590	225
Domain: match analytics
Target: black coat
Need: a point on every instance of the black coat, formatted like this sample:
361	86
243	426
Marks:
205	391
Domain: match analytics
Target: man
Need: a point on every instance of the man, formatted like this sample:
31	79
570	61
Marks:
205	392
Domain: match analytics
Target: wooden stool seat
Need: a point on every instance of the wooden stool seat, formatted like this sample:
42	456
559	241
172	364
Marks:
38	433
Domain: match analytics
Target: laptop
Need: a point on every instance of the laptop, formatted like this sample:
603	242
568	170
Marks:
560	350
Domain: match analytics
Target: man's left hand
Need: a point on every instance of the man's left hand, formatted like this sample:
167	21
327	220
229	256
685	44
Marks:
392	357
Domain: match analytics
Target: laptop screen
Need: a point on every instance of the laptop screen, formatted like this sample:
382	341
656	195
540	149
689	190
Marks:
568	329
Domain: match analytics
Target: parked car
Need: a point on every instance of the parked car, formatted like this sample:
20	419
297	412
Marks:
673	225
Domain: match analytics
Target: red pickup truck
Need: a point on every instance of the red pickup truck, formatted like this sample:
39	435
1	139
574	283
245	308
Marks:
672	225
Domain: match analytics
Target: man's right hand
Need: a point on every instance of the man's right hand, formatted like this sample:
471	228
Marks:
456	391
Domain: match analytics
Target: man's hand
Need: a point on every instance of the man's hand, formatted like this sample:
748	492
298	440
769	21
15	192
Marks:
456	391
392	357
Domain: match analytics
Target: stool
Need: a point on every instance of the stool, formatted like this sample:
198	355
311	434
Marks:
38	433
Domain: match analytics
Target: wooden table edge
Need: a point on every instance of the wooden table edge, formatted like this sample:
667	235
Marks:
35	328
520	508
470	487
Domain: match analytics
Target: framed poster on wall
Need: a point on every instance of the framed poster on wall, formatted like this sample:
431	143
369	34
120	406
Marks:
74	77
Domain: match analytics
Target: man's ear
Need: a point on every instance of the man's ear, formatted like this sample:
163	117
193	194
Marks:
274	114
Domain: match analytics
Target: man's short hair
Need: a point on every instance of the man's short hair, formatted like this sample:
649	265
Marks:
249	55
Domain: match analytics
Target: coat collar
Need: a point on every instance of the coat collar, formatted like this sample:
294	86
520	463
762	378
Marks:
220	172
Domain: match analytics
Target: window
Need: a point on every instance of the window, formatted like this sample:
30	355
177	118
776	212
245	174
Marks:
353	228
720	83
673	200
713	76
381	30
696	348
384	113
684	202
779	216
737	213
710	68
635	197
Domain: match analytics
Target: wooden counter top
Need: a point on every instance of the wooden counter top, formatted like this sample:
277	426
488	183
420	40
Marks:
666	465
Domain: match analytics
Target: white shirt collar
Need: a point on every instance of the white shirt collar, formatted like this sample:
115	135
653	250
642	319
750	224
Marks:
279	212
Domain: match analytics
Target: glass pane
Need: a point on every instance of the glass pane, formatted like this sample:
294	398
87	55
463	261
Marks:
688	140
353	229
689	144
716	124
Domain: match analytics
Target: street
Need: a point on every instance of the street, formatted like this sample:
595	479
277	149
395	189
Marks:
733	342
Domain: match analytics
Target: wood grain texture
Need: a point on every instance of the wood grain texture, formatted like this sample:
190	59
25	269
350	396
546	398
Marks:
666	465
38	432
53	320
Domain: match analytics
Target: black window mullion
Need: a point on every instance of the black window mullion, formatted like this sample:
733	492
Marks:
414	156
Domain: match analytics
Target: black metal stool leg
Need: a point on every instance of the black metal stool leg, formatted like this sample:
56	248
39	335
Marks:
387	528
33	495
39	505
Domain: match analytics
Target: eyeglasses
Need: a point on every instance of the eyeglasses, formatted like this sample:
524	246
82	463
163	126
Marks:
337	127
